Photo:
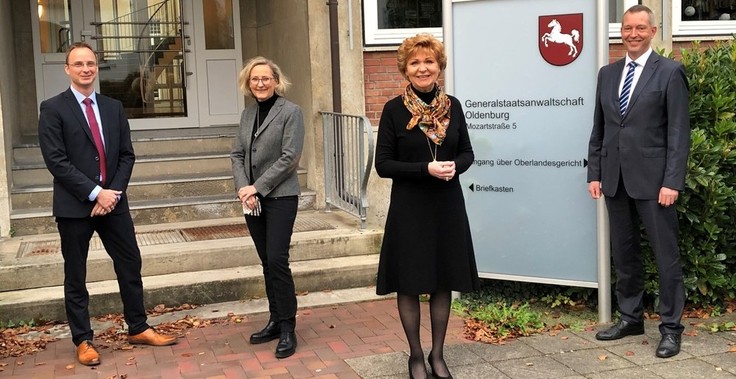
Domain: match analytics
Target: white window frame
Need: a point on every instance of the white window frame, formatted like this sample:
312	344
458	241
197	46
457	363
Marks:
682	28
614	28
375	36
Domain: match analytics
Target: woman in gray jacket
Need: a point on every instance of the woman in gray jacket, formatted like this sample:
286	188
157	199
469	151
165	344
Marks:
265	157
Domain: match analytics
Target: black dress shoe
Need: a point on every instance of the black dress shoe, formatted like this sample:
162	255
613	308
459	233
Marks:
269	333
434	372
287	345
411	374
620	330
669	345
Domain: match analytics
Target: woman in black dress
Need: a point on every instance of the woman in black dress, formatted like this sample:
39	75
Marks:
423	145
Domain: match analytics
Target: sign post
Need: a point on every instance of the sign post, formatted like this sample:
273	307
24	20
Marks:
525	72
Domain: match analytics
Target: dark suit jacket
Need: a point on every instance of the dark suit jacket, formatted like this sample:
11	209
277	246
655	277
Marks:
274	152
71	156
649	144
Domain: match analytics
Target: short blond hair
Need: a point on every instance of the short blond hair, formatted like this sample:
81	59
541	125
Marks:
642	8
424	41
282	83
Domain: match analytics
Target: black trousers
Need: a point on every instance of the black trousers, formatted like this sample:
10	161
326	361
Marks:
271	233
118	236
661	226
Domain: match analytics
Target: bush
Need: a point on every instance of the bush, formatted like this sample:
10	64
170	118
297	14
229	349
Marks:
708	205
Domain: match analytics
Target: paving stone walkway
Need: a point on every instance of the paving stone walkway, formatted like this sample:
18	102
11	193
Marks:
365	340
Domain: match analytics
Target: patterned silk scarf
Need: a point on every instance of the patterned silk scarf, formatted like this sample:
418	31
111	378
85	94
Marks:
433	119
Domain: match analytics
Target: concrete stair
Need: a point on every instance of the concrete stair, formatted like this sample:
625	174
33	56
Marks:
195	262
190	229
179	175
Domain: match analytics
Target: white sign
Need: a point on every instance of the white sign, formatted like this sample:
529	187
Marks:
525	72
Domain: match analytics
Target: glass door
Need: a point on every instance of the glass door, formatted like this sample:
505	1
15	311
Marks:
142	53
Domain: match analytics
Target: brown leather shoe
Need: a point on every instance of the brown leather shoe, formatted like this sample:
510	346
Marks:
151	337
87	354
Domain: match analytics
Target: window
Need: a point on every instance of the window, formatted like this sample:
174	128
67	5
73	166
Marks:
616	10
703	17
389	22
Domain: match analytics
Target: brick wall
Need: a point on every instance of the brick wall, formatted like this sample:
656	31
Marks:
383	81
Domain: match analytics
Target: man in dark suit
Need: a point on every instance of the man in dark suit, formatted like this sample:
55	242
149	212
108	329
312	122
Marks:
638	158
85	142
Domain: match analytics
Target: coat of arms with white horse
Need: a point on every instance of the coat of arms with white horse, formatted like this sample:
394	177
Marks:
561	38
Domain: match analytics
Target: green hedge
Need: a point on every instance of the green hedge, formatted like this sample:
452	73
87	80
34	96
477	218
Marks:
707	207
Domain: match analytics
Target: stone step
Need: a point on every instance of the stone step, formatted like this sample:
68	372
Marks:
194	262
37	197
201	287
26	222
171	187
163	142
172	146
148	168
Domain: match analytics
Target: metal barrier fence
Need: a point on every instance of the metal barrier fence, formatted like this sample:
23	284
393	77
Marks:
348	148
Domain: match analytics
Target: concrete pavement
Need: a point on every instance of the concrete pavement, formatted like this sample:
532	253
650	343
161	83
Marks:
355	334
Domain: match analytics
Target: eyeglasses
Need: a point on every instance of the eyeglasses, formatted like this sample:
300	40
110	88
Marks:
265	80
79	65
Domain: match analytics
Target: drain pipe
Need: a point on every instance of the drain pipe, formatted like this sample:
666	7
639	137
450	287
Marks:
335	55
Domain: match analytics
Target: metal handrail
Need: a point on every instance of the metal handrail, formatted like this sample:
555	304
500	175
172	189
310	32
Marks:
348	151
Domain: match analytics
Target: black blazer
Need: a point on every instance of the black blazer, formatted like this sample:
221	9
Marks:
649	144
71	156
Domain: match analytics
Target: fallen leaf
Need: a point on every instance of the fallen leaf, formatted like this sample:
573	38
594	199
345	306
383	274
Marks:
691	333
187	355
529	364
629	353
19	363
732	349
602	357
70	366
564	338
39	363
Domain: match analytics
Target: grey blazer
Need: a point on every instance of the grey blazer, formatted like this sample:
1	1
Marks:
274	152
649	144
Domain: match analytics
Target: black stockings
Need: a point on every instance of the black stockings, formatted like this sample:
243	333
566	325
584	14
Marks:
439	312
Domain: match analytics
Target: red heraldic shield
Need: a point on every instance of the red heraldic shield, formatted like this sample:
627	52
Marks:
561	38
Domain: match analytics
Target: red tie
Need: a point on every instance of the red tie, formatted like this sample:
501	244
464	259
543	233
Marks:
97	137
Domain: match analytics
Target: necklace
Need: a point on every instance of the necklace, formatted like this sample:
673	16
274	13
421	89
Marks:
429	146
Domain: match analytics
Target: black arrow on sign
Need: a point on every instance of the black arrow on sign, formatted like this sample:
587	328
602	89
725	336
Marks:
471	187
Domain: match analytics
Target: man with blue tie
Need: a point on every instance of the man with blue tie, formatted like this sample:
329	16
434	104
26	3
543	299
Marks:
637	160
85	143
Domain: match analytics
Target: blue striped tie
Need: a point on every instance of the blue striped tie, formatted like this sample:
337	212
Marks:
623	100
